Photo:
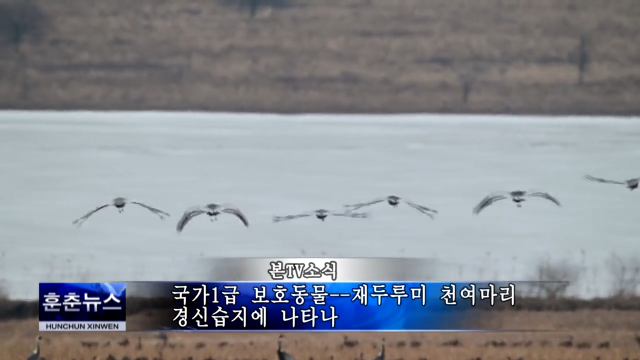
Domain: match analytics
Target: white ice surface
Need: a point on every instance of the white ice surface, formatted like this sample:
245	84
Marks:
54	167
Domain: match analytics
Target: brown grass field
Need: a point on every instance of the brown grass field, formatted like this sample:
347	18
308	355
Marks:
331	56
594	335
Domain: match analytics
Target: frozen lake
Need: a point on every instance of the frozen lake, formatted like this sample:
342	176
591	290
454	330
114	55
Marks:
57	166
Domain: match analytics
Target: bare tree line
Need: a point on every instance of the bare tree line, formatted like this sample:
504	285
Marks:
253	6
555	279
579	57
23	21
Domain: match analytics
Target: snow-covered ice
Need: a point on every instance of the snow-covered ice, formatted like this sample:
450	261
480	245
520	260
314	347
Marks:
56	166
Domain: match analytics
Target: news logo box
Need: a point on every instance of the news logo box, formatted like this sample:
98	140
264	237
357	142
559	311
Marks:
82	306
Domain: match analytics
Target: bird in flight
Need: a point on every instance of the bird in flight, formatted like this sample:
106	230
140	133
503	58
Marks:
213	210
394	201
321	214
517	196
631	184
119	203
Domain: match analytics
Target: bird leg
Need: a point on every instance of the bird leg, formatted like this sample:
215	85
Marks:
120	210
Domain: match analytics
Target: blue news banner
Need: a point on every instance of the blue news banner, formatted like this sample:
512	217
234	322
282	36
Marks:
82	306
277	306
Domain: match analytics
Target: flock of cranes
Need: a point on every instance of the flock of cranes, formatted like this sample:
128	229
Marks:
213	210
282	355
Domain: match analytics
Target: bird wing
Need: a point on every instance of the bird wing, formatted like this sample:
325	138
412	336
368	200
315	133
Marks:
158	212
350	214
360	205
544	195
423	209
488	201
187	216
290	217
235	211
82	219
589	177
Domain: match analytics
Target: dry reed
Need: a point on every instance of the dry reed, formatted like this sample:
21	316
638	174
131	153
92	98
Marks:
606	335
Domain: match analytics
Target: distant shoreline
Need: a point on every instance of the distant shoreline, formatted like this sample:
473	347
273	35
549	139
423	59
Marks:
417	117
246	110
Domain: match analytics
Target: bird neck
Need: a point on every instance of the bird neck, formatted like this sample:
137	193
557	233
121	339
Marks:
279	345
37	349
